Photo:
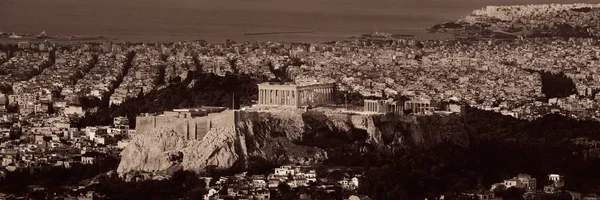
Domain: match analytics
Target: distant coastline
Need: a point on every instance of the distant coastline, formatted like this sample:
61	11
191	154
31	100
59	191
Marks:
498	22
250	36
17	37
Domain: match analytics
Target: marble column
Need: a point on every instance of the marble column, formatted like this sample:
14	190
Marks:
322	95
263	96
271	96
312	96
285	97
304	98
326	95
281	97
294	98
288	97
300	96
318	95
325	99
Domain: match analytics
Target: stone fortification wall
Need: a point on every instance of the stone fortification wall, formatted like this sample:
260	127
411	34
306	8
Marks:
226	118
191	128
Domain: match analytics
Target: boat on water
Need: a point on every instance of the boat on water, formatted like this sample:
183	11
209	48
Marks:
15	36
382	34
42	35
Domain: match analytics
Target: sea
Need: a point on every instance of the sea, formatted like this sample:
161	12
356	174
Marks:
219	20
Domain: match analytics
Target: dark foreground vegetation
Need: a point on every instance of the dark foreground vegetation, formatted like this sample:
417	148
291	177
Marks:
53	178
557	85
500	148
182	185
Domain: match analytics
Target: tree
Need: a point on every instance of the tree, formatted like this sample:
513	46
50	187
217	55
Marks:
90	102
557	85
336	175
512	193
284	188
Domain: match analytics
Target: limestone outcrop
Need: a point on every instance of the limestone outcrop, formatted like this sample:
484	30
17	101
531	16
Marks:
278	138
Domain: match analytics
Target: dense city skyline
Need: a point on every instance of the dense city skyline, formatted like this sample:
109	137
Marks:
107	103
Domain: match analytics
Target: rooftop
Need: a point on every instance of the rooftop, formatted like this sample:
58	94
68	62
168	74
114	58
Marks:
304	83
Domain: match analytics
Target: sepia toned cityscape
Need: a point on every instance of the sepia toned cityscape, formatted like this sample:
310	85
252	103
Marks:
503	103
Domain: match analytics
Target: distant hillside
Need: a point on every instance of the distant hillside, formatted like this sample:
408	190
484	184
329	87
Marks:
543	20
197	90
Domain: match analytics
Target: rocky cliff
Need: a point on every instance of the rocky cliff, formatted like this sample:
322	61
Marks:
285	137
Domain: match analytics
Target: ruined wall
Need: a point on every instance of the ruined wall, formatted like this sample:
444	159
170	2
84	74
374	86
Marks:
188	128
144	124
223	119
179	125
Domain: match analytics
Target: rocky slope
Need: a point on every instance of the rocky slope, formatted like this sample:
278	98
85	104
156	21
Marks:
285	137
543	20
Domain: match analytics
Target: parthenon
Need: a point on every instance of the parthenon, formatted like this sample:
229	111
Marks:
296	95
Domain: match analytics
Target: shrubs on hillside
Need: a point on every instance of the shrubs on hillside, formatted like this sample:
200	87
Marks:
197	90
